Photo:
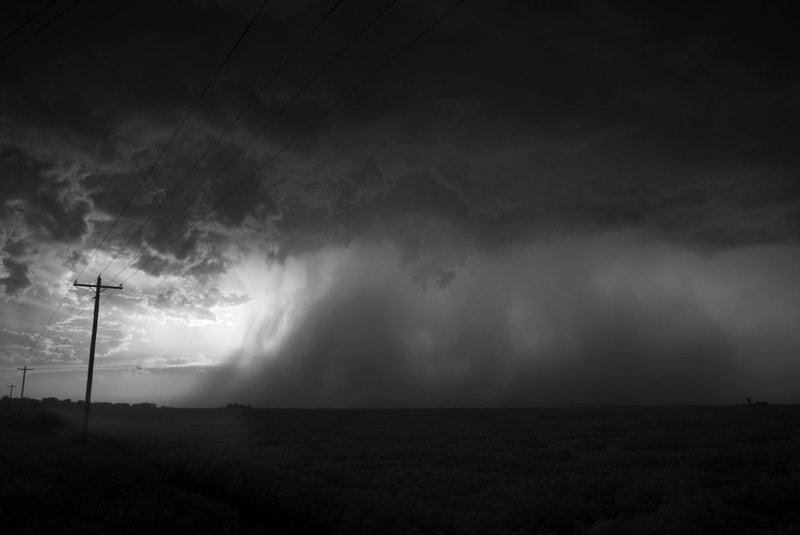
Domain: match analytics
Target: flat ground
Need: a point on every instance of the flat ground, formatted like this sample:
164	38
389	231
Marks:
599	471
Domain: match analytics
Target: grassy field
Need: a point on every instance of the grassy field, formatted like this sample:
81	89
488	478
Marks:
597	471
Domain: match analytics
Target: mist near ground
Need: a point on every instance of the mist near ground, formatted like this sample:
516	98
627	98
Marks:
607	320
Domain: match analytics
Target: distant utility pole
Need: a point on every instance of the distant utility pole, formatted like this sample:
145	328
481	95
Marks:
11	391
24	371
98	289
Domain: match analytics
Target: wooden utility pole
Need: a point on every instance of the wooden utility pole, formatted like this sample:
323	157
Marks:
24	371
11	391
98	289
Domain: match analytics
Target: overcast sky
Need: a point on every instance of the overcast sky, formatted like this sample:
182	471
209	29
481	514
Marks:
576	203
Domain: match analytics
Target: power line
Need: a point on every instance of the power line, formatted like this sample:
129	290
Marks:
260	132
296	138
161	154
305	131
24	371
76	327
30	19
248	144
75	311
40	30
38	336
50	319
98	288
175	134
6	55
225	130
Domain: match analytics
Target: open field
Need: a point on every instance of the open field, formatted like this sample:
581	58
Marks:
615	471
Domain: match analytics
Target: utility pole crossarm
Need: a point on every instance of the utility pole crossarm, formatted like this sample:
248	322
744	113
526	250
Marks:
95	286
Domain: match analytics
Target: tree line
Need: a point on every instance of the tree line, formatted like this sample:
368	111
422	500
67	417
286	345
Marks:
55	403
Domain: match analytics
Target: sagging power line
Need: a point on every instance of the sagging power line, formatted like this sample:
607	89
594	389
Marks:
155	163
174	135
256	97
27	21
75	311
300	135
286	106
238	116
38	30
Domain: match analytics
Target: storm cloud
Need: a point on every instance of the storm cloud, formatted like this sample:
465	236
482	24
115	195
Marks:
581	202
17	278
509	121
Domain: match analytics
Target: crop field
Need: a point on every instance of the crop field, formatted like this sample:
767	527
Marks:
597	471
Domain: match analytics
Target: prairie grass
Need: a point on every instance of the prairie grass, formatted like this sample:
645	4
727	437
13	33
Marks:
597	471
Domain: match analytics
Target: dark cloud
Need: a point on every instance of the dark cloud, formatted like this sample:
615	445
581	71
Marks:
647	78
153	264
199	254
509	121
63	220
446	276
135	371
40	203
16	279
191	302
16	248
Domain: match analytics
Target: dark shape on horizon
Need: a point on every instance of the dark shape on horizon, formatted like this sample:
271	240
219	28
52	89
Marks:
49	403
751	403
237	406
